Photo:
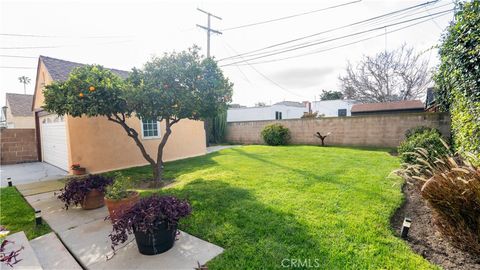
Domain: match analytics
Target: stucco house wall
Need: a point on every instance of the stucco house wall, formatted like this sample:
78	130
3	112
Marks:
101	145
329	108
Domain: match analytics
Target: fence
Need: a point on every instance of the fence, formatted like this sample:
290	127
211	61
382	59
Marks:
17	146
382	130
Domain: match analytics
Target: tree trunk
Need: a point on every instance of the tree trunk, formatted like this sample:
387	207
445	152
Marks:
158	170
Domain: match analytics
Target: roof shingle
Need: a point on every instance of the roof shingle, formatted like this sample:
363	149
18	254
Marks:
60	69
388	106
20	105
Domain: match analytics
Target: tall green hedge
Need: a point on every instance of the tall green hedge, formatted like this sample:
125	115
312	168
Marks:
458	76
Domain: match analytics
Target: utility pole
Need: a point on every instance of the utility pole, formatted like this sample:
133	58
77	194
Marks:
209	29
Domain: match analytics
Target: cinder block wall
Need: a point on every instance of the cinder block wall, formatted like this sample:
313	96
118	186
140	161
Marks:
386	130
17	146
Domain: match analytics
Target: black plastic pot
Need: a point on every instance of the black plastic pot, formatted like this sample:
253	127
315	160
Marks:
161	240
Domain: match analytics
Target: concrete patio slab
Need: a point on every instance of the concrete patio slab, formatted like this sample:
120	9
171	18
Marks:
52	254
28	258
58	218
85	234
40	187
29	173
187	252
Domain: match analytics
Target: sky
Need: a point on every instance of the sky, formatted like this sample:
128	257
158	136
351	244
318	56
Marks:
125	34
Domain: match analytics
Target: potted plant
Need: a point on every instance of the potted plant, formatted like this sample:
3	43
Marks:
153	221
77	169
88	191
118	198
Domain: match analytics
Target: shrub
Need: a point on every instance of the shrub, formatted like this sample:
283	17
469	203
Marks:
75	190
119	189
275	134
426	139
451	186
148	214
458	76
420	129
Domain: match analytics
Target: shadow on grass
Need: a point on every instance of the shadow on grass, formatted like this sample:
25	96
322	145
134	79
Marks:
311	178
254	235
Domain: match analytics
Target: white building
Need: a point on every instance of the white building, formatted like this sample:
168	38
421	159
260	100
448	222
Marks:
329	108
277	111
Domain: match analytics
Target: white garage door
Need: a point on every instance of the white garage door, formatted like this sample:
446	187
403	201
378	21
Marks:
54	140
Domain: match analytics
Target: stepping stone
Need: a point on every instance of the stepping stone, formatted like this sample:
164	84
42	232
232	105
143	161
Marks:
58	218
52	254
27	255
40	187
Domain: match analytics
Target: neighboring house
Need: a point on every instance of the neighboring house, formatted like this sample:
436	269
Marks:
431	104
17	112
96	143
329	108
277	111
404	106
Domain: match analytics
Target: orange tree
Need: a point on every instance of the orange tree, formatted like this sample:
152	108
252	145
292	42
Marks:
169	88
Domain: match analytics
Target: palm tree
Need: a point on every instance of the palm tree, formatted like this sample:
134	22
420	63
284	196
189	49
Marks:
25	80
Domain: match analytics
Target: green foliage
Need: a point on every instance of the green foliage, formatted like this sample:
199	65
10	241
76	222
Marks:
427	139
420	129
17	215
275	134
458	76
120	187
264	204
331	95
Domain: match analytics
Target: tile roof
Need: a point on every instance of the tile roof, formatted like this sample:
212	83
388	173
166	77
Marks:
60	69
20	105
388	106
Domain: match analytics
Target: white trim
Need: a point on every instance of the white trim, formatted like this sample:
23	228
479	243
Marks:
151	137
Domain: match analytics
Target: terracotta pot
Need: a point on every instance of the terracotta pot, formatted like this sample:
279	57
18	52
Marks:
79	171
93	200
118	207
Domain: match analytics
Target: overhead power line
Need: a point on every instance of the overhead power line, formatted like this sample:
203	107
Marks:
342	45
331	30
17	56
339	38
11	67
290	16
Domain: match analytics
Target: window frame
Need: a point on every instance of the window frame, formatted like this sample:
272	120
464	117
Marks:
159	135
278	115
343	110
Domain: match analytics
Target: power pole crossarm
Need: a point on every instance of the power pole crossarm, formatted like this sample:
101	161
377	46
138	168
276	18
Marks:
208	28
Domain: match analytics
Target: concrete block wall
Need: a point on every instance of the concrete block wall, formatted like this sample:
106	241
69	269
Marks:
385	130
17	146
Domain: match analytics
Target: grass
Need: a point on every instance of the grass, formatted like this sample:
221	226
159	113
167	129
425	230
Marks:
327	207
17	215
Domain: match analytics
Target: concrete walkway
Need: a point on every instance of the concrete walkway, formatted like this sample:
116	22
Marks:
85	234
25	173
215	148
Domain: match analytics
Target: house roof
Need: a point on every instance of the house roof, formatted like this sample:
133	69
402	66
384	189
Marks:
388	106
20	105
290	103
60	69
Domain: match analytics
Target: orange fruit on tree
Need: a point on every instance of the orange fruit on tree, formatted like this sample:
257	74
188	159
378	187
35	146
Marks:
91	88
80	95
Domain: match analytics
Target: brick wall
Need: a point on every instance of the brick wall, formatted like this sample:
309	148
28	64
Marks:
17	146
386	130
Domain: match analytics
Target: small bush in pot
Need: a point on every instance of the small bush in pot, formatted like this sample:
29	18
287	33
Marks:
153	221
87	191
78	170
276	134
119	198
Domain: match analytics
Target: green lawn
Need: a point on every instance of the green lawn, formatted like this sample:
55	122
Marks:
267	205
17	215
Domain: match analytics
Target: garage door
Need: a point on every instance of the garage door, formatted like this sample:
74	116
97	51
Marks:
54	141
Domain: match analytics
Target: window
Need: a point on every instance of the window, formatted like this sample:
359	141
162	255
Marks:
278	115
342	112
150	129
